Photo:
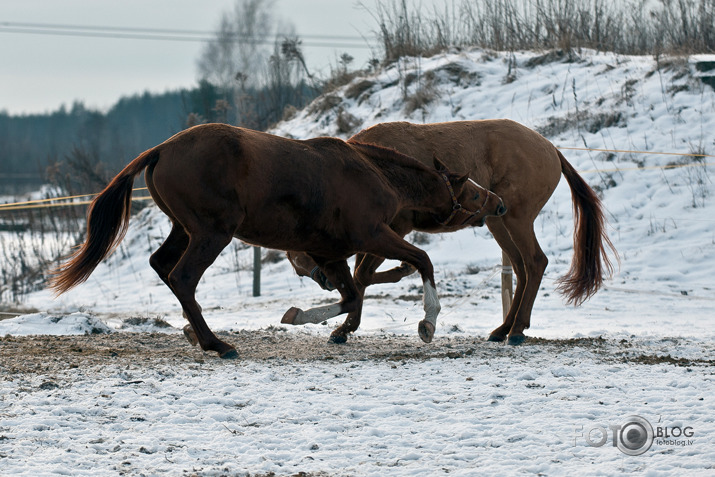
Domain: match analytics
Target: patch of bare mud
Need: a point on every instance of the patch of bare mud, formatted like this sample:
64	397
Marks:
46	354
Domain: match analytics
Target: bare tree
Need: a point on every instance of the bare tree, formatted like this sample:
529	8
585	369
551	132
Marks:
217	63
241	46
258	79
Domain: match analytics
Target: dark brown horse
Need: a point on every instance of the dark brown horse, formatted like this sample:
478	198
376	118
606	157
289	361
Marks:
523	168
324	196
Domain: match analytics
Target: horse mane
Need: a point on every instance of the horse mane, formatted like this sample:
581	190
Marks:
388	155
398	168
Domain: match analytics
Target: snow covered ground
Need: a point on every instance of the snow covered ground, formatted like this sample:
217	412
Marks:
497	410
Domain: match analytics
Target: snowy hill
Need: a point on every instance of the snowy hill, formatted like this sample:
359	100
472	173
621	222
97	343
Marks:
661	219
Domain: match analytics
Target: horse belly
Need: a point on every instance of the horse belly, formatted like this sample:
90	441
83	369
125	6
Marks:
295	230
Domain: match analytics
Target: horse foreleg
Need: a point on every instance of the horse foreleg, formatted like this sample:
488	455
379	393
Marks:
364	275
426	327
351	323
337	272
305	266
390	245
366	271
393	275
365	265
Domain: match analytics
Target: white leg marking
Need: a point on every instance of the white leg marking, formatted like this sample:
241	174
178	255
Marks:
317	315
431	303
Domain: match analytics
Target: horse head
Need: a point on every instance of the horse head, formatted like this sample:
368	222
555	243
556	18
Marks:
471	203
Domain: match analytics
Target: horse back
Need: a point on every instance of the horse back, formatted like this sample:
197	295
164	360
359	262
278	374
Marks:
490	149
501	155
268	190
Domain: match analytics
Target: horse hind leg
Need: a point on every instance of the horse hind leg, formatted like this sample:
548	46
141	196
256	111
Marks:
202	250
165	258
496	227
534	265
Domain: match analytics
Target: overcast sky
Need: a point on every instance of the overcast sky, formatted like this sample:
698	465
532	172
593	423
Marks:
39	72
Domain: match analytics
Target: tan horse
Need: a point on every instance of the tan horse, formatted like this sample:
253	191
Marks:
324	196
523	168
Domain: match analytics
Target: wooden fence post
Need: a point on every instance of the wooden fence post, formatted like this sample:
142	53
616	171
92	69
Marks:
256	271
507	287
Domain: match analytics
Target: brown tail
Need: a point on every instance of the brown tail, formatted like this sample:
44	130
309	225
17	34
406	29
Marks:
107	222
590	262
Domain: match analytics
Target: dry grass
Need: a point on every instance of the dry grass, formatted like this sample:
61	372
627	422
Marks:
676	27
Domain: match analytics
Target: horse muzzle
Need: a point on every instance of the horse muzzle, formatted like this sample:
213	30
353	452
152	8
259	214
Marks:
493	207
501	209
470	210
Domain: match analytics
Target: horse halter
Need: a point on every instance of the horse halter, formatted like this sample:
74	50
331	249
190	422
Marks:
321	279
456	206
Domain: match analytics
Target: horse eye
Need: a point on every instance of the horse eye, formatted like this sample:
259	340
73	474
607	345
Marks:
476	196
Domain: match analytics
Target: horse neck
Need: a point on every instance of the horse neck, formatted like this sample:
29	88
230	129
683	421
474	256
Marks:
414	182
416	187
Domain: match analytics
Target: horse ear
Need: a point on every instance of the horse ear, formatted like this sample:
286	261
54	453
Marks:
461	180
438	164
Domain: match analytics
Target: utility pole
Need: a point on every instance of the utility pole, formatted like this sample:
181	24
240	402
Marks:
507	290
256	271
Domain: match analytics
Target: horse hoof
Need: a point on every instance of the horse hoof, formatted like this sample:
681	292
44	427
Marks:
516	340
190	335
496	338
407	269
289	316
337	339
426	331
230	354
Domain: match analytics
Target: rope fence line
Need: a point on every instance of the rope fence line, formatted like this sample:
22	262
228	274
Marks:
43	203
606	287
647	168
11	314
67	204
634	291
643	168
657	293
493	271
39	201
61	201
635	151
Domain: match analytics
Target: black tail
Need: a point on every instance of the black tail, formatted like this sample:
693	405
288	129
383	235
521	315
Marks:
107	222
590	262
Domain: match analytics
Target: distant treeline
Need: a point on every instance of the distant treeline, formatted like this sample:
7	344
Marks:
85	142
33	143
